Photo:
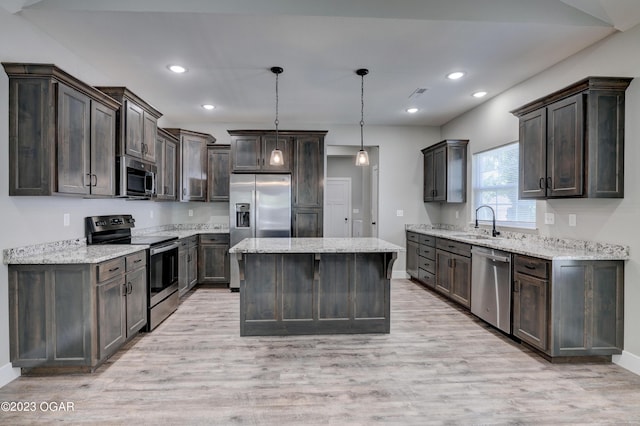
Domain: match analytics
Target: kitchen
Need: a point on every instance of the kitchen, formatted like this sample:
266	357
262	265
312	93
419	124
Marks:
487	125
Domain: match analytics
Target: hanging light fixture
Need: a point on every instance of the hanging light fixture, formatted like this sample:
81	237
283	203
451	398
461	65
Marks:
362	158
276	158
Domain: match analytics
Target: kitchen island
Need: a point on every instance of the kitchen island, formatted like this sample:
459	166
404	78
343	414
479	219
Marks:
314	285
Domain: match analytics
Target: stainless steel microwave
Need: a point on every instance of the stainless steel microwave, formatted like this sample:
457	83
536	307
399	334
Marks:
136	179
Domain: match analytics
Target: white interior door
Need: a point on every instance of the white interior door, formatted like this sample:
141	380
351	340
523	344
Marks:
374	201
337	207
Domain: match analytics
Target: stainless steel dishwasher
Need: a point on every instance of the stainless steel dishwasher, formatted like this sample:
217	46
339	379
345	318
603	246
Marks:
491	286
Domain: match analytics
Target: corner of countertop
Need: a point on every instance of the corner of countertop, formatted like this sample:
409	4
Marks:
11	254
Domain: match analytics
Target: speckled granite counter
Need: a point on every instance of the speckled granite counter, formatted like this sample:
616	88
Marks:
531	245
315	245
184	231
77	255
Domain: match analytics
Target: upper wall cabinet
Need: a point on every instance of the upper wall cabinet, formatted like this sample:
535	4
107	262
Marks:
251	151
445	171
218	170
166	160
61	134
572	141
137	125
192	164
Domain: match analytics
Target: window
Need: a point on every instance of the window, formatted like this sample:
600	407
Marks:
495	183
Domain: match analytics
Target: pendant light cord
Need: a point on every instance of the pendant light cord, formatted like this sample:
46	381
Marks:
276	122
361	112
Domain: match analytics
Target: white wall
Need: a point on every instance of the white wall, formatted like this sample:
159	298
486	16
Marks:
613	221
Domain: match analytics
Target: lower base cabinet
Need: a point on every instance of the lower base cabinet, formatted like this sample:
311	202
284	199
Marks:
213	259
74	316
569	308
453	270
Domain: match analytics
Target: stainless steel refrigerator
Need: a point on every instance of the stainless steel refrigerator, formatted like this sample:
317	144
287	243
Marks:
259	207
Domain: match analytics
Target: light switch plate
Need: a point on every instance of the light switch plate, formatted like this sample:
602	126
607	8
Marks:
549	218
190	213
572	220
151	214
66	219
399	213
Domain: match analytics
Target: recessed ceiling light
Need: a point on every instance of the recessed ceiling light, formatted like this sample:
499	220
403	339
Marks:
479	94
178	69
208	107
455	75
412	110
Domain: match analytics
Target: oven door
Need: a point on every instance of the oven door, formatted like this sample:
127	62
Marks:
163	272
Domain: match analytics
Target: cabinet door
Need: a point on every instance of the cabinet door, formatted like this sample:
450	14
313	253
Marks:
150	132
111	316
218	174
268	145
440	174
74	136
443	271
533	154
193	168
461	279
307	223
160	159
170	155
213	263
183	268
456	170
245	153
192	266
136	288
412	258
530	310
308	172
565	147
134	126
103	142
428	183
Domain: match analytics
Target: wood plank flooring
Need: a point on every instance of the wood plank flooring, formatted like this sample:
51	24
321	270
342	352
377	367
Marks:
439	365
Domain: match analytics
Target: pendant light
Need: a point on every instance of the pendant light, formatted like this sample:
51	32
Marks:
276	158
362	158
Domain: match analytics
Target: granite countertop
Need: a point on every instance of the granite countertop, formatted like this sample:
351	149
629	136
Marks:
531	245
76	255
314	245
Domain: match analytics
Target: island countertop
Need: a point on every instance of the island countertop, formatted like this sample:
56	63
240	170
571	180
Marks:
315	245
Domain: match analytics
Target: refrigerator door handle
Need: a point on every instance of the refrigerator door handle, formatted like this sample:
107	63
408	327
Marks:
253	208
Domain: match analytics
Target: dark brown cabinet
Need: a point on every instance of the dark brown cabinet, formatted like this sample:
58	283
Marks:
213	259
572	141
138	124
421	258
61	134
445	172
413	248
251	151
167	160
218	170
187	264
75	316
308	185
192	164
568	308
453	270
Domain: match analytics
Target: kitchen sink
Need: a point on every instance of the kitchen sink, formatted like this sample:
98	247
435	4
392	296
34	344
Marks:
473	236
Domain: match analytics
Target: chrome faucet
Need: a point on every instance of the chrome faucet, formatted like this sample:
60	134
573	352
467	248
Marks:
493	213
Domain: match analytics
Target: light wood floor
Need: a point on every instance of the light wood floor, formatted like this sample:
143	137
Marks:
438	365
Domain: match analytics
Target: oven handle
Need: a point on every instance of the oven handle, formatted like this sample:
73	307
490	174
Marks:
158	250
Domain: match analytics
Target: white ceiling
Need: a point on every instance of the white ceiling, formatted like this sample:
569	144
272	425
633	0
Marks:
229	46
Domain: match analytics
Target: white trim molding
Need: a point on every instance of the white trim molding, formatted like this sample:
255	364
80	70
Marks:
628	361
8	374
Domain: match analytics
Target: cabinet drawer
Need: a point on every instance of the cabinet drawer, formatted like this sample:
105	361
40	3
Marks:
428	252
454	247
428	265
136	260
214	238
428	240
111	268
427	278
412	236
189	241
532	266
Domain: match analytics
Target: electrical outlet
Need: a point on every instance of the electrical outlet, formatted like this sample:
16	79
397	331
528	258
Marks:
457	214
190	213
549	219
66	219
572	220
399	213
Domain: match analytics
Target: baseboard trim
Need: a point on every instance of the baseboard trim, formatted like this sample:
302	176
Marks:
8	374
628	361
